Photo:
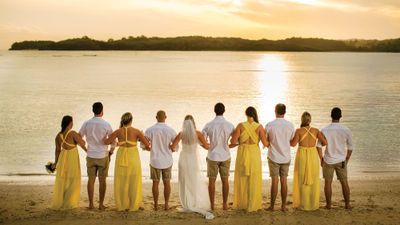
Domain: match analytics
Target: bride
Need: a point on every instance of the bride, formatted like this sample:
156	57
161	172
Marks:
193	191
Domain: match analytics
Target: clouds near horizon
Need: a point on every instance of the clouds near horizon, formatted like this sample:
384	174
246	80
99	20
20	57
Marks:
253	19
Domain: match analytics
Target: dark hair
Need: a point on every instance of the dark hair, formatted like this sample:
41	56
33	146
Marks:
280	109
66	120
252	112
336	113
97	108
219	109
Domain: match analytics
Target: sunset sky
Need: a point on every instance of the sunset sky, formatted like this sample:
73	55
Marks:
253	19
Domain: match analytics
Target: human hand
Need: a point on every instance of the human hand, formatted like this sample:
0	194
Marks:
322	162
53	166
233	145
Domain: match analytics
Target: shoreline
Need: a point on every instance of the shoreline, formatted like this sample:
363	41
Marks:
376	200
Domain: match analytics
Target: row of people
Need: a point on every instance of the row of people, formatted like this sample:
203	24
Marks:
161	140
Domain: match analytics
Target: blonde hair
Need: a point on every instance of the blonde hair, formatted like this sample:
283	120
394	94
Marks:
190	117
125	119
305	119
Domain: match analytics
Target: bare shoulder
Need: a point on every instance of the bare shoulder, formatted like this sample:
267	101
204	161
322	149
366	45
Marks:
74	133
136	131
58	137
315	130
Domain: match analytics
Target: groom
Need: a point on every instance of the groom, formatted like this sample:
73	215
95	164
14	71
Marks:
161	136
218	131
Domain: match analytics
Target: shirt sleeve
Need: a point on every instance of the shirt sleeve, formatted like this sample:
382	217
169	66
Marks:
205	132
349	141
82	131
293	132
173	136
147	134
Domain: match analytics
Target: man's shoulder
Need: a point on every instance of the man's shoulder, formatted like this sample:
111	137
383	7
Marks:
151	128
279	123
219	123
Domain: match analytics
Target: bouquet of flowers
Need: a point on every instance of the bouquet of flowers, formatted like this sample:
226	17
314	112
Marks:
49	167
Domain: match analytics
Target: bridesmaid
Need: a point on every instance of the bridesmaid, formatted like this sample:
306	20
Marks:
248	181
128	171
306	166
68	178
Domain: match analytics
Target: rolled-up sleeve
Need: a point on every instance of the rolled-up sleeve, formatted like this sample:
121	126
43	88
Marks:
205	132
82	131
173	136
349	141
147	136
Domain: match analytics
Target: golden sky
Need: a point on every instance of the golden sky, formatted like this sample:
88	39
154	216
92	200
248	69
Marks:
253	19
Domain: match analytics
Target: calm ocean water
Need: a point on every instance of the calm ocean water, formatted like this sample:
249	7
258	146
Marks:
38	88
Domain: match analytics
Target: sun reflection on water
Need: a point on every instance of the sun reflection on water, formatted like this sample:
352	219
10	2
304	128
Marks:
272	86
272	75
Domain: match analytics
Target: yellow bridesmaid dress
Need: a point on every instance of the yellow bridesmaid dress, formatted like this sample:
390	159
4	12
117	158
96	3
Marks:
248	181
67	189
306	177
128	176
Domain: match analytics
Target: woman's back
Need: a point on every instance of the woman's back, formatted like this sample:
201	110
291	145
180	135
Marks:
249	134
127	137
308	136
66	140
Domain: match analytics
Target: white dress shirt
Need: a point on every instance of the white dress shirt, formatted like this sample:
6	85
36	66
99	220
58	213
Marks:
161	136
338	137
279	133
218	131
95	130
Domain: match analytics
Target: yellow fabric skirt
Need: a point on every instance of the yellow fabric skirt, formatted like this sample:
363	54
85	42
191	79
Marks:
67	189
128	179
248	178
306	179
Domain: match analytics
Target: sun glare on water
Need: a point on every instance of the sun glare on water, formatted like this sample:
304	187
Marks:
272	77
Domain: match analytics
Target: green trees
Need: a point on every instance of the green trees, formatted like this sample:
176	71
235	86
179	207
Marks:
198	43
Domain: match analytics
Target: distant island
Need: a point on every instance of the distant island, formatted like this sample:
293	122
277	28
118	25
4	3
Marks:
199	43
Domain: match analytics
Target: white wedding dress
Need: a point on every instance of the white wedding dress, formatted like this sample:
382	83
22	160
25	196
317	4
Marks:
193	188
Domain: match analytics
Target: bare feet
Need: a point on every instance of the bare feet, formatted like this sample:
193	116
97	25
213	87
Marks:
284	209
348	206
102	207
328	207
155	207
271	208
91	206
166	207
225	206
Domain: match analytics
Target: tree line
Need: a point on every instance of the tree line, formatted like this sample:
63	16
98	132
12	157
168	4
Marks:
200	43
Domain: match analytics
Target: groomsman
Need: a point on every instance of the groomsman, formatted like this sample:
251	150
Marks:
98	156
279	133
336	157
218	131
161	136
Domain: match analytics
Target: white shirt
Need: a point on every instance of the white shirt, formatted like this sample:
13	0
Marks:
218	131
161	136
279	133
338	137
95	130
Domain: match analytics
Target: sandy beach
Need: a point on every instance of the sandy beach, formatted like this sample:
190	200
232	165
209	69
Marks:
376	198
